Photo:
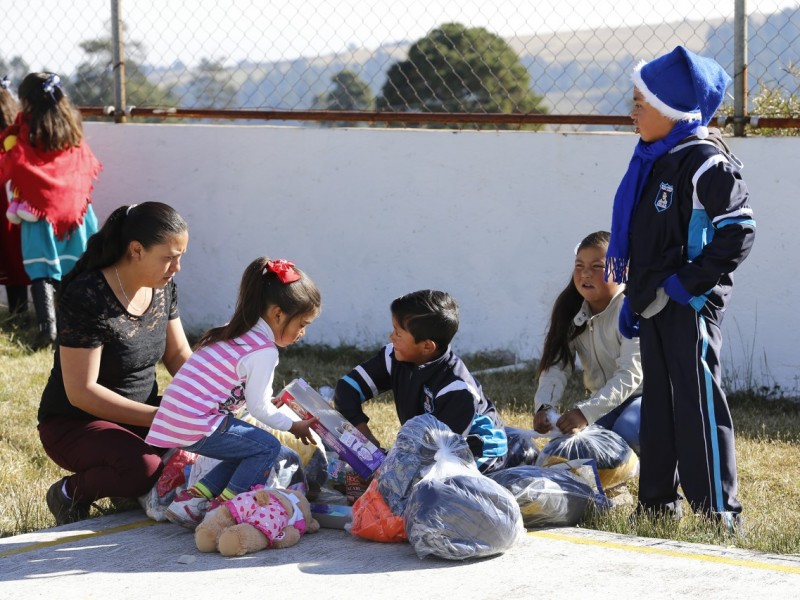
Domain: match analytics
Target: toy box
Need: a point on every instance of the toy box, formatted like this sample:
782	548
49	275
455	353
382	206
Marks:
332	516
336	431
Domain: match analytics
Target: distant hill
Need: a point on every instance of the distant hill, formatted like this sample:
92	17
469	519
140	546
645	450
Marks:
588	72
585	72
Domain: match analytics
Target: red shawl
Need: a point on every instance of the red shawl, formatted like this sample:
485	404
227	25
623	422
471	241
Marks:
56	185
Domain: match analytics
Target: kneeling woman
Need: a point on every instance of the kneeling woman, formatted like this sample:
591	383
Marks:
117	317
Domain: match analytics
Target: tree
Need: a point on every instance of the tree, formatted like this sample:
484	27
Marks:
211	85
16	69
349	92
776	102
459	69
92	84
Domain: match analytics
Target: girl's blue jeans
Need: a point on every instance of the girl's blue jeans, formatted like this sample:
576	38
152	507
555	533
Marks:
247	454
624	420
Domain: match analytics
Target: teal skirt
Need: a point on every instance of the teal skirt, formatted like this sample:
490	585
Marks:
46	257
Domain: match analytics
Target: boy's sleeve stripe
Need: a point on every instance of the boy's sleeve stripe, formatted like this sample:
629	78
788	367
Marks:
351	382
744	212
458	386
387	357
743	222
713	161
367	379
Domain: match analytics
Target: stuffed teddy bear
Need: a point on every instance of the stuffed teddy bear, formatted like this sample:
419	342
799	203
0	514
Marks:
255	520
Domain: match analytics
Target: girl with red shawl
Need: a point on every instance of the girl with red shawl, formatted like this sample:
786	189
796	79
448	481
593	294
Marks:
52	171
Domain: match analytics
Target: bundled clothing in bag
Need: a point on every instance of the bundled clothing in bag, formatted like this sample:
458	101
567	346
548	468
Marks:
377	515
413	454
616	461
521	448
547	497
455	512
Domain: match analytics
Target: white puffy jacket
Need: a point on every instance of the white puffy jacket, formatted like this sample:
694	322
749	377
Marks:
612	367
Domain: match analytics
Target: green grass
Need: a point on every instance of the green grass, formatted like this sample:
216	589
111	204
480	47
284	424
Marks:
767	438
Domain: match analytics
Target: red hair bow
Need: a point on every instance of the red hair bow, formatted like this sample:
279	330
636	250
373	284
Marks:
284	269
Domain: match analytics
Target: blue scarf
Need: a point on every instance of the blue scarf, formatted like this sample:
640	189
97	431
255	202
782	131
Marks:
628	195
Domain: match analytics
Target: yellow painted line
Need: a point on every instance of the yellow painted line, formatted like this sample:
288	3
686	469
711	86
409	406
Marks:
738	562
77	537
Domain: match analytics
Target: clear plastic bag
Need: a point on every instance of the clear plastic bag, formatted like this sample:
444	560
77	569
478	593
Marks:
547	497
616	461
287	472
455	512
521	448
155	506
413	453
462	516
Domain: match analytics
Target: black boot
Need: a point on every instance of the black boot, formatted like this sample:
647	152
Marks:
18	304
43	291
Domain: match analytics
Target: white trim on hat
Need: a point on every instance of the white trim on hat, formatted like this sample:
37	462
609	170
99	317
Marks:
656	102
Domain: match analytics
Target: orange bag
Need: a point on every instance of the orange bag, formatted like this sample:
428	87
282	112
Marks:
374	520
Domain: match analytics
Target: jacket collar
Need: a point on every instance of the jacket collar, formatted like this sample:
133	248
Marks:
585	313
432	364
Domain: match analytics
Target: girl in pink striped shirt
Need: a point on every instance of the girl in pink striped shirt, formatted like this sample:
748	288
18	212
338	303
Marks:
233	367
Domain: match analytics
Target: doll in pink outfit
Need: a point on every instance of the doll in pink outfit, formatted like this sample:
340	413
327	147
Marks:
254	520
270	519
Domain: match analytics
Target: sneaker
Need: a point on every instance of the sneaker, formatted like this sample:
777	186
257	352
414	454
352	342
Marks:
65	510
187	510
24	212
11	213
729	524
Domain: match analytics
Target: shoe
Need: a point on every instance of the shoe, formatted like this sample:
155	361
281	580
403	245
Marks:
187	510
65	510
24	213
11	213
728	523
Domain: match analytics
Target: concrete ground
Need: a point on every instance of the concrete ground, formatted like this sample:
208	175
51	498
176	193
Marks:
129	556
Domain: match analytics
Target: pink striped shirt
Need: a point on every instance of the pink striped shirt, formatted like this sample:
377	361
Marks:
204	391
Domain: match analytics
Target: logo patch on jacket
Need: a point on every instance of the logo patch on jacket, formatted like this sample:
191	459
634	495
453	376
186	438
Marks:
428	402
664	198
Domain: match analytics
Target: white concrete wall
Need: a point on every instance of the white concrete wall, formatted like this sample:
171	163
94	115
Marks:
491	217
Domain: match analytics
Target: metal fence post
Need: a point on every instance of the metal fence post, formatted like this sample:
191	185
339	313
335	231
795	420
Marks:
119	63
739	67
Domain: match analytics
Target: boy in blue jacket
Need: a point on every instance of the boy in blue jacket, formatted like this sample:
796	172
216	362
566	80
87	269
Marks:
425	376
681	224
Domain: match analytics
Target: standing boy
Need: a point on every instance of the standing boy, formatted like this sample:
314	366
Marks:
681	224
425	376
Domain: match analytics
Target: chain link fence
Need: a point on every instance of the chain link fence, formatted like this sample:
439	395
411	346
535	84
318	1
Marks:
418	63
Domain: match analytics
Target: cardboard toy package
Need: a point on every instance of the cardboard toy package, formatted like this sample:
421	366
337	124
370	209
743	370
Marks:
332	516
336	431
